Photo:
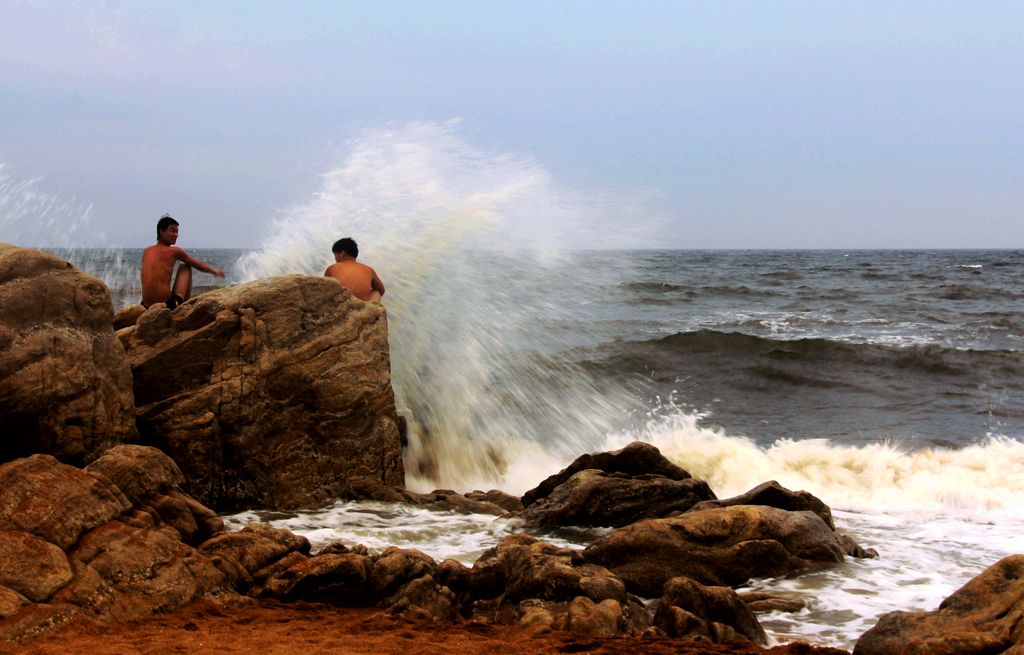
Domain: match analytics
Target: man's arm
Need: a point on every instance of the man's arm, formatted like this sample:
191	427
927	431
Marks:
195	263
376	284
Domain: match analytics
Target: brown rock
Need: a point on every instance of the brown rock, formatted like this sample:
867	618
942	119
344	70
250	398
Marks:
638	458
423	599
984	616
342	580
32	567
595	498
138	471
762	601
507	502
587	617
127	316
773	494
256	546
65	383
396	567
54	501
150	570
275	393
725	546
10	602
710	605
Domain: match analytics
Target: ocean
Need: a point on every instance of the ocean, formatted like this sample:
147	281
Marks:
887	383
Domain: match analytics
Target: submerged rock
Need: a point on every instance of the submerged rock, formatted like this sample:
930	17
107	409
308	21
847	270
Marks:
275	393
724	547
65	382
984	616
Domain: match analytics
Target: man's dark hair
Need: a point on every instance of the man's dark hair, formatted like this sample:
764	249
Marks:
346	245
165	222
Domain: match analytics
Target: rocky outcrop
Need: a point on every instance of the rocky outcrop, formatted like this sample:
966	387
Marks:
275	393
690	609
638	458
65	383
597	498
108	543
773	494
985	616
723	547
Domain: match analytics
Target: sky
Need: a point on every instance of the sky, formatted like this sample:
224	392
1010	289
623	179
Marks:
780	124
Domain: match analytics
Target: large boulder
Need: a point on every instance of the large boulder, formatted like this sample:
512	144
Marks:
595	498
638	458
985	616
721	547
65	382
773	494
275	393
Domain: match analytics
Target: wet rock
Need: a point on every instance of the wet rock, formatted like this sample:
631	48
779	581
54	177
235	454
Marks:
275	393
984	616
595	498
773	494
507	502
722	547
65	382
637	458
762	601
704	609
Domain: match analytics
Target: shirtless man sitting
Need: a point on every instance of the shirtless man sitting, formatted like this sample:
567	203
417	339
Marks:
158	264
358	278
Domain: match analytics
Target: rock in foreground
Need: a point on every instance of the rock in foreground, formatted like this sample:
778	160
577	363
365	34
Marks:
984	617
275	393
723	547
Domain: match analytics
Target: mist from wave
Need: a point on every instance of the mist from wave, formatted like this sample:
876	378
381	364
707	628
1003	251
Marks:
471	246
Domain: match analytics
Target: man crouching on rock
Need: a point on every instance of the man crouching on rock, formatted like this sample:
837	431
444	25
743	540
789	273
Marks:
158	264
358	278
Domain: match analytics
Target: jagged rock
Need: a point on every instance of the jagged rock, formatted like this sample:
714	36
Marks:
638	458
65	382
256	546
773	494
448	500
396	567
984	616
275	393
342	580
709	606
722	547
138	471
595	498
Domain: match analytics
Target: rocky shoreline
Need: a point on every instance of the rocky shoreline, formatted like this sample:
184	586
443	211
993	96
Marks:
121	447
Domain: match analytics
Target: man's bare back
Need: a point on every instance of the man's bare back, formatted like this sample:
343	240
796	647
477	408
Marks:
158	265
360	279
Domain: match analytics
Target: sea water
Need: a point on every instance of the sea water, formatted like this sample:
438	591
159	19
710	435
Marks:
524	332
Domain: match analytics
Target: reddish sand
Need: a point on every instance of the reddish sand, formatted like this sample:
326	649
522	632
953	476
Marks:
312	629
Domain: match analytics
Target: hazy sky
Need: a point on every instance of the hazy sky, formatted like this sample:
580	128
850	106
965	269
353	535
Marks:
738	124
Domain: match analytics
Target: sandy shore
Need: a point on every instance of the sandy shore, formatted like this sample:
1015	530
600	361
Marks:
314	629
